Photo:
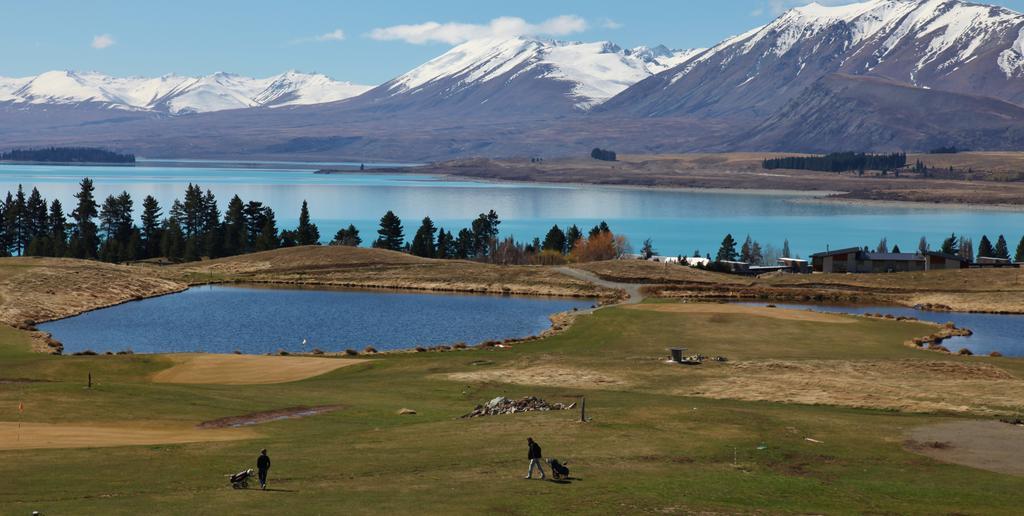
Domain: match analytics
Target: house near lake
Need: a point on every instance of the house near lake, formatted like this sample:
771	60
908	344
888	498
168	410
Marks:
857	260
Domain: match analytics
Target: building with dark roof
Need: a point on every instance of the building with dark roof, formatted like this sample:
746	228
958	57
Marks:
857	260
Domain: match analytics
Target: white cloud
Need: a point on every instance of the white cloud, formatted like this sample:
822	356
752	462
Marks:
609	23
334	35
102	41
455	33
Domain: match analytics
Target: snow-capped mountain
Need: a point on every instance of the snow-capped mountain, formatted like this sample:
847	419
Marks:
517	74
174	94
941	44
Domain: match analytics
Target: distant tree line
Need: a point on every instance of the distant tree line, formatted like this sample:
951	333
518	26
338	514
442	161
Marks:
67	155
946	150
191	228
480	242
839	162
194	227
603	155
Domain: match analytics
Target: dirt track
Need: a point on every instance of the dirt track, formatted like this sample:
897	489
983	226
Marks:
246	369
725	308
47	435
988	445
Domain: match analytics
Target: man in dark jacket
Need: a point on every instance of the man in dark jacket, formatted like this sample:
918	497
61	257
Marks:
263	465
534	454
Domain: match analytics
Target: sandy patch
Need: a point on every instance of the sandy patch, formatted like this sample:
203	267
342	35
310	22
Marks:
544	375
267	416
988	445
48	435
758	311
246	369
906	385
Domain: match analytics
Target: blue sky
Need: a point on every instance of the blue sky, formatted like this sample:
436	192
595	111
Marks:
364	42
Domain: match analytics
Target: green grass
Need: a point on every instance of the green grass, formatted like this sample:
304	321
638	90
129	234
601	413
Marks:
645	450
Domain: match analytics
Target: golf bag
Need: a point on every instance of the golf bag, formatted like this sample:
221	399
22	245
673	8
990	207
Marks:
240	480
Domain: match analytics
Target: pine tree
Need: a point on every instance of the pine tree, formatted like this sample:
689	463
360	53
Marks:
36	216
235	228
451	246
150	231
442	247
555	240
391	233
745	250
572	235
194	212
647	251
464	244
756	254
951	245
213	229
727	252
985	247
255	218
17	225
58	238
172	245
347	236
785	249
896	249
307	233
485	232
922	246
268	239
423	243
84	237
1002	250
1019	257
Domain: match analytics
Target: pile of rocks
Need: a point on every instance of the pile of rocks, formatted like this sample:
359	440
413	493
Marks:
503	405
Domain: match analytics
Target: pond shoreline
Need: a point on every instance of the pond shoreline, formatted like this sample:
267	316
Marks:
332	318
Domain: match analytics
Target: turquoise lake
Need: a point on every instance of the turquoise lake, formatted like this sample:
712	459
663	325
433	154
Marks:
678	221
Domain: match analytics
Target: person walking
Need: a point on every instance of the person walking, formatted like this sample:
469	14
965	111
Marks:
263	466
535	456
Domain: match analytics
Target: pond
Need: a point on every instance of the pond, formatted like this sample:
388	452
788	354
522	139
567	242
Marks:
992	332
257	320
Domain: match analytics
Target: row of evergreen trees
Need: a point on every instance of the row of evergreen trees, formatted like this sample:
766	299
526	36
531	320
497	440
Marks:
191	229
67	155
839	162
480	242
962	246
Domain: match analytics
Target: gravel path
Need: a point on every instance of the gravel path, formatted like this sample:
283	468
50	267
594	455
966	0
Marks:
632	289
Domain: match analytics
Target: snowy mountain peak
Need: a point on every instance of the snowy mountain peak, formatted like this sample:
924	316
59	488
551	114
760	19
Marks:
175	94
594	71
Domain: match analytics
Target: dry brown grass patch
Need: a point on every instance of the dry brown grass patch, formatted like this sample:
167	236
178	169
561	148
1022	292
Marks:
246	369
907	385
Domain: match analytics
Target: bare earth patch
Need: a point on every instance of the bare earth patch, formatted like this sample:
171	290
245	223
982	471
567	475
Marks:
267	416
987	445
246	369
49	435
758	311
544	375
905	385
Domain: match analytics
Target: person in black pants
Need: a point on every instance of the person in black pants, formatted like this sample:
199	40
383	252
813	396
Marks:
263	465
534	454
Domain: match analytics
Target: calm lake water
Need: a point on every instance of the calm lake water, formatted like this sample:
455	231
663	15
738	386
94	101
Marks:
219	319
992	332
678	221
